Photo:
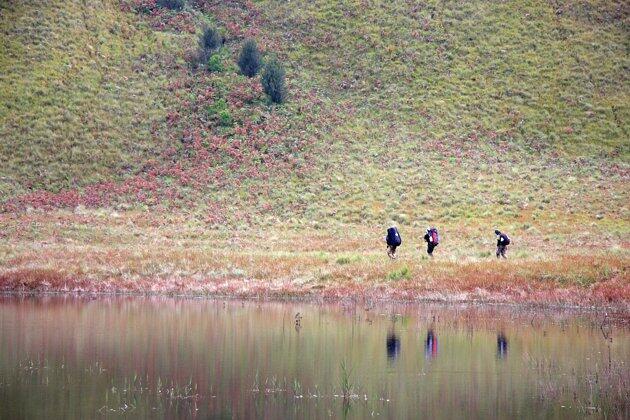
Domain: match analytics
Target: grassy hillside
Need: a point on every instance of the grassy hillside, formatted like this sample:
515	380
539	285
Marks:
79	93
417	112
452	110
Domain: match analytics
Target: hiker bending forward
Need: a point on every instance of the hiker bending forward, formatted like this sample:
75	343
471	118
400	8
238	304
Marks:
433	239
502	243
393	241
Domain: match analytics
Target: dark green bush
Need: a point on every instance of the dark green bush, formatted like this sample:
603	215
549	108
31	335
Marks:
225	118
249	60
172	4
210	40
273	81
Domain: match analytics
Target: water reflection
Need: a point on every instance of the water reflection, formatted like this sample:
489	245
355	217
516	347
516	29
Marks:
179	358
393	345
502	346
431	345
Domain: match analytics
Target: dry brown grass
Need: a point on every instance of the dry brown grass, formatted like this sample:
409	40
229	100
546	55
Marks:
143	253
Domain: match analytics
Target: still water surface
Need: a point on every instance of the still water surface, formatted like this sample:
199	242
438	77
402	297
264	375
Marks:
198	358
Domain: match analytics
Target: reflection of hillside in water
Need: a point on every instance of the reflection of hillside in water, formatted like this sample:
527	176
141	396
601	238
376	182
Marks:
224	348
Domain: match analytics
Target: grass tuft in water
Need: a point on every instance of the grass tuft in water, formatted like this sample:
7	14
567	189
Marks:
347	388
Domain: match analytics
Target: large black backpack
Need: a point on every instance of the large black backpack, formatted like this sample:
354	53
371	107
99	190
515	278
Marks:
506	239
393	237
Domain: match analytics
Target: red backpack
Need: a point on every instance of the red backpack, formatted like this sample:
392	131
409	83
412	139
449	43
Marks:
435	236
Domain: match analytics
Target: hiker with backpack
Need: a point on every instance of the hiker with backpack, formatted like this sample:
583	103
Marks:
393	241
502	243
432	237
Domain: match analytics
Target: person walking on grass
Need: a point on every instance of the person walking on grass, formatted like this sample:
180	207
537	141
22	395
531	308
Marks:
432	238
393	241
502	243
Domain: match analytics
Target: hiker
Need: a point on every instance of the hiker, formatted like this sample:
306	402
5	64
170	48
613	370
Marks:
432	238
393	241
502	243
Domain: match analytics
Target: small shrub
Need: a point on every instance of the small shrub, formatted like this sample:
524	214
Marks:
209	42
403	273
210	39
219	110
249	59
273	81
172	4
215	64
225	118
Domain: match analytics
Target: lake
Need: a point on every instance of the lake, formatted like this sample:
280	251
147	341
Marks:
168	357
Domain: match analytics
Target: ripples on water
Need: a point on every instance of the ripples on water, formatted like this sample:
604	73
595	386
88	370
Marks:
168	357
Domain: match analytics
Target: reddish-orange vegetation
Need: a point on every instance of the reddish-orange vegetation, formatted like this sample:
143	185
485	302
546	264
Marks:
141	253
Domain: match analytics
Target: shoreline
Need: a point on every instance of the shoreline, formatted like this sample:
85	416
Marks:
616	308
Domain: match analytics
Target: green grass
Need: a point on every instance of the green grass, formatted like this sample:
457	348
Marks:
79	92
400	274
464	110
463	68
441	112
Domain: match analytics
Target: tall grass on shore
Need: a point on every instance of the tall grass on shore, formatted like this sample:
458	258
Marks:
97	255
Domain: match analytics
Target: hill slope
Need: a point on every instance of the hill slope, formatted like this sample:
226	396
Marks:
412	111
77	96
